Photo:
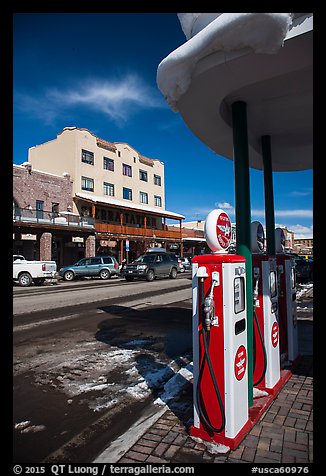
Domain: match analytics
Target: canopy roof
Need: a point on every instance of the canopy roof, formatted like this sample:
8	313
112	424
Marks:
240	57
96	199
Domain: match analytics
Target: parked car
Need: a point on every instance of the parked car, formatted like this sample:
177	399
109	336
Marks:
185	263
26	272
97	266
181	268
303	268
152	265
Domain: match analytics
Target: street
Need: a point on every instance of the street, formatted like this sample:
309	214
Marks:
89	357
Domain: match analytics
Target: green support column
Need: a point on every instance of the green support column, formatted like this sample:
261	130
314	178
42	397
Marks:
243	218
269	195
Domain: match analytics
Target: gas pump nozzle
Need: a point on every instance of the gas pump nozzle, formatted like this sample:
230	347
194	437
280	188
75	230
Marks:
255	290
209	305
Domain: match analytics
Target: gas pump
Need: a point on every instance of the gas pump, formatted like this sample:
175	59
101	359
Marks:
287	301
266	358
219	338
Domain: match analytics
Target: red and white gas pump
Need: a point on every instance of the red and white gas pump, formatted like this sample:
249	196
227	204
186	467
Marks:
219	338
266	356
287	301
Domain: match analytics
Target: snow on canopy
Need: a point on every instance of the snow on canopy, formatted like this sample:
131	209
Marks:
262	32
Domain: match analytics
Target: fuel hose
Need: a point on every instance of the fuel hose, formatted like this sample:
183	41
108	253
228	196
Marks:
200	404
263	347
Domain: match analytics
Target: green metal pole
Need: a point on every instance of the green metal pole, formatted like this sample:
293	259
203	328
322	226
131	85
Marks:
269	195
243	218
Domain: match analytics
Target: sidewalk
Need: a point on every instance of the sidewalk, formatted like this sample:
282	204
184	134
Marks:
283	434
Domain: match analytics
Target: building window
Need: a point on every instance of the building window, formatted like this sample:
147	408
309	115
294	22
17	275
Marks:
143	175
143	197
157	201
127	193
126	170
55	209
87	157
157	180
87	184
39	208
108	164
108	189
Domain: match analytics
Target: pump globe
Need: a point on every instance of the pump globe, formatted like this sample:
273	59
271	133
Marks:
218	230
257	237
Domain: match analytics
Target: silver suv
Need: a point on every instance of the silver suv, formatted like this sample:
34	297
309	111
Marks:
97	266
152	265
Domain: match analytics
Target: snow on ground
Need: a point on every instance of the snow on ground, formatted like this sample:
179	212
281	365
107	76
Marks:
26	427
212	447
302	289
174	386
259	393
105	374
102	374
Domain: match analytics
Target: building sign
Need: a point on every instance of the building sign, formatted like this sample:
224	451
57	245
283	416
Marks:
77	239
112	215
28	236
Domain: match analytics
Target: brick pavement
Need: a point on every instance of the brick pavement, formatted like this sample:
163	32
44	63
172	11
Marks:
283	434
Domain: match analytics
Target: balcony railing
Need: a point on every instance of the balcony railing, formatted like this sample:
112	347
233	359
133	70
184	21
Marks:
30	215
135	231
42	217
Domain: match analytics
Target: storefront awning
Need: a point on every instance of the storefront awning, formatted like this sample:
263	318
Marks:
128	206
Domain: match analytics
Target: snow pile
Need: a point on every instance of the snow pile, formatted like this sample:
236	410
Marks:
259	393
302	289
212	447
26	427
261	32
174	386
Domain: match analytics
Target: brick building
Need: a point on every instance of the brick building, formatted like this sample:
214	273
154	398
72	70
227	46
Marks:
116	196
304	246
44	226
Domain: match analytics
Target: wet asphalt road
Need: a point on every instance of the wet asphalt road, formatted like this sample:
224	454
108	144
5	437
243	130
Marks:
85	371
86	365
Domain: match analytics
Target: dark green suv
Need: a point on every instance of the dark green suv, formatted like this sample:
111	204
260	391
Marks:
152	265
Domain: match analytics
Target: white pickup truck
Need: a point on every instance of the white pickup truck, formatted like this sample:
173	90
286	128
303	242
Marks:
26	272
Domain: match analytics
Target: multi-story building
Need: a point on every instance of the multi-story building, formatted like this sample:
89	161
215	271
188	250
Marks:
44	226
120	189
193	238
304	246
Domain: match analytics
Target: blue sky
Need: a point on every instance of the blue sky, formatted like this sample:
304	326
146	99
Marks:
98	71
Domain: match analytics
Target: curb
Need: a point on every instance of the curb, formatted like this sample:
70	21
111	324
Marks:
151	414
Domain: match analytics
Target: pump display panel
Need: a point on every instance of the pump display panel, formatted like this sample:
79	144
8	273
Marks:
273	283
239	295
293	278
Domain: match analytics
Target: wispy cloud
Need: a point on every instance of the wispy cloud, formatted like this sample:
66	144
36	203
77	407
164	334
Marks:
225	206
301	193
117	98
299	213
300	231
256	213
